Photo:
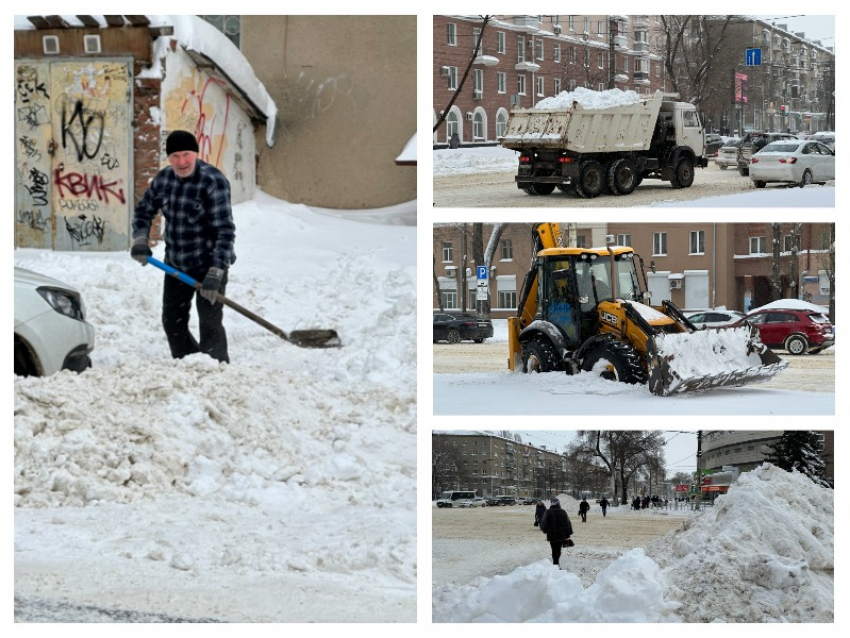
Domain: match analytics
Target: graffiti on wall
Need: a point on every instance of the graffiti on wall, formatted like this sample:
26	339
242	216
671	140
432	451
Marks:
73	131
319	96
199	106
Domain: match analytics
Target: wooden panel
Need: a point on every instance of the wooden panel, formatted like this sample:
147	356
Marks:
114	21
88	21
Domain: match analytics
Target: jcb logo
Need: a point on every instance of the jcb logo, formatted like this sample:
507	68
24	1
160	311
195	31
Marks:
609	318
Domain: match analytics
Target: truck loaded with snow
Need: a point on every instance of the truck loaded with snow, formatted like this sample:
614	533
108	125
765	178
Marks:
587	310
590	141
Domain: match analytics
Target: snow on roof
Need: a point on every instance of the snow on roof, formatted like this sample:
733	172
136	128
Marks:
408	155
793	304
196	34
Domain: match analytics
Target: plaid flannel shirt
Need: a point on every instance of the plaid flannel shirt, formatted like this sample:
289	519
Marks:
199	228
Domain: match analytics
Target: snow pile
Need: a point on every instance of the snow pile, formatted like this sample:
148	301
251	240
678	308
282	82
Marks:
793	304
179	486
708	352
588	99
764	554
476	159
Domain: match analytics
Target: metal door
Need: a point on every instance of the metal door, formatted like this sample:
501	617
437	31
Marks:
73	188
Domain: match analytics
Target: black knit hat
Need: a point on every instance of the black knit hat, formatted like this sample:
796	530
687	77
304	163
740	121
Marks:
180	141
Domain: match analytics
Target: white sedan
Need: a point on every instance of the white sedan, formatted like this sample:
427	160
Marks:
51	333
714	318
801	162
475	502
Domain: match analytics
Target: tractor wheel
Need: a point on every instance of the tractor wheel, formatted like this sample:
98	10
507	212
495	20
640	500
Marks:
622	177
615	361
538	355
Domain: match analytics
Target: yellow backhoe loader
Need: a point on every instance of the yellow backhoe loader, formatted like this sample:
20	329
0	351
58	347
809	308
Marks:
586	309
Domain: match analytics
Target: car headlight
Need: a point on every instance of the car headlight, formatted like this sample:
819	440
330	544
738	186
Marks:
64	302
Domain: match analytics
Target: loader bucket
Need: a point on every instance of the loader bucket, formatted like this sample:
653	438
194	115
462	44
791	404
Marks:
711	358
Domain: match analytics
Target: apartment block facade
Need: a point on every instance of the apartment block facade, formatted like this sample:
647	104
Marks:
696	265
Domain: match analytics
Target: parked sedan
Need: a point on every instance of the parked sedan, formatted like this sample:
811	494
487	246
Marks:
51	333
795	330
824	137
455	328
475	502
727	155
796	162
712	143
715	318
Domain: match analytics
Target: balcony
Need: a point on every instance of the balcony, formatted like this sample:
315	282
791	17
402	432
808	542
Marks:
527	66
641	77
640	46
640	23
527	23
621	42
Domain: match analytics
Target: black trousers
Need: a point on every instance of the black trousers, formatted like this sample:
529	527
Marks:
556	551
583	517
176	305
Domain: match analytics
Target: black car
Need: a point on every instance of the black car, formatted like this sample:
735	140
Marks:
493	500
712	143
506	500
455	328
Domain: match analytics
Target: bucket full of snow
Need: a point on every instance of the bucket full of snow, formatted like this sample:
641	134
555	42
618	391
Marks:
709	358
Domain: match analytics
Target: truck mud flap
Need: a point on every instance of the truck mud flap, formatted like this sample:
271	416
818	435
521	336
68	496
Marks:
712	358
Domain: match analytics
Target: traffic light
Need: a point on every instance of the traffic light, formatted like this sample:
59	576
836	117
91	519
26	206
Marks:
782	109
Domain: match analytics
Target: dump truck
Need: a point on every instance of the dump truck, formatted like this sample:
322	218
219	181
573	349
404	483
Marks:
587	310
591	150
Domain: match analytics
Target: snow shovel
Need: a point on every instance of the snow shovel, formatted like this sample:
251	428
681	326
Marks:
300	338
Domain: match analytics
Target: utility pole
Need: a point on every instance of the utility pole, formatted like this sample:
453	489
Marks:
612	55
699	469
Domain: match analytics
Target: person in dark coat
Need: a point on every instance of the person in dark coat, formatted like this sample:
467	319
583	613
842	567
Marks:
539	511
604	504
583	508
557	527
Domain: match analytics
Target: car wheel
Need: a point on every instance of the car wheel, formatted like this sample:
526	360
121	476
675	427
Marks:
743	171
24	363
478	340
453	336
759	184
807	178
723	167
796	344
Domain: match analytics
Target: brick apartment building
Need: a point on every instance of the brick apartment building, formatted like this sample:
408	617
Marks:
697	265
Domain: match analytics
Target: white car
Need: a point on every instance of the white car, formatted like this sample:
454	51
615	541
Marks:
475	502
714	318
824	137
800	162
51	332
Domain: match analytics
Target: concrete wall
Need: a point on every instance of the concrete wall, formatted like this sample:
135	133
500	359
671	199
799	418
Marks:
193	101
345	87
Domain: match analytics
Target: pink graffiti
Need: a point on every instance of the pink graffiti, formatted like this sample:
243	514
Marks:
79	184
204	137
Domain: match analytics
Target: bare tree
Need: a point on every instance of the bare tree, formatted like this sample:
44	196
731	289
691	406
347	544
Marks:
776	267
445	466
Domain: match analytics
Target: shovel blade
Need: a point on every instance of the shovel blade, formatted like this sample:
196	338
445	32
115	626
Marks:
315	338
712	358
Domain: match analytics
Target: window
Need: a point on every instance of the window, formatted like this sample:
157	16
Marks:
520	84
572	85
600	28
449	298
600	60
478	80
452	125
520	49
501	123
581	241
451	34
601	86
572	55
507	299
501	82
452	83
557	86
624	240
557	54
572	21
500	42
538	48
658	70
586	59
447	251
659	243
788	242
587	25
758	245
697	244
507	250
478	126
229	25
476	33
540	85
625	64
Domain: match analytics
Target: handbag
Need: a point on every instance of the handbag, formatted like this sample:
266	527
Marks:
536	523
569	543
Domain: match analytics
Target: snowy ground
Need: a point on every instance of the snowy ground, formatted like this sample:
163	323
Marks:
764	553
277	488
500	391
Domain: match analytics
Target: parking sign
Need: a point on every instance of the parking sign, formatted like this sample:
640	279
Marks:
482	272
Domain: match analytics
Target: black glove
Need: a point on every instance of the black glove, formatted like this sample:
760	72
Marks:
141	251
212	283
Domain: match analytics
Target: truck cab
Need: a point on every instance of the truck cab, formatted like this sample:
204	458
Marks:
687	128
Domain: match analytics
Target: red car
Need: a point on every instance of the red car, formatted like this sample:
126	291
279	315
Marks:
795	330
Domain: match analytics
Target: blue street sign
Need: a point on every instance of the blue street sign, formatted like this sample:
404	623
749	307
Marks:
753	57
482	272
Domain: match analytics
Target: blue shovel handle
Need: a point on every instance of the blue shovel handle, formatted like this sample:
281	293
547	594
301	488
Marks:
186	279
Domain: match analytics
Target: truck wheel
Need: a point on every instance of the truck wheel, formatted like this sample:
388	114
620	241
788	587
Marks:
615	361
453	336
565	188
683	175
591	179
538	355
759	184
622	177
541	189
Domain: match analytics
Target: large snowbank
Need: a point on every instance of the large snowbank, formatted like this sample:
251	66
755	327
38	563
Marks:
764	553
589	99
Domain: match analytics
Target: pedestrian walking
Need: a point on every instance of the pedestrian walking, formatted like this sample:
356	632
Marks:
194	198
604	504
539	511
583	508
558	529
